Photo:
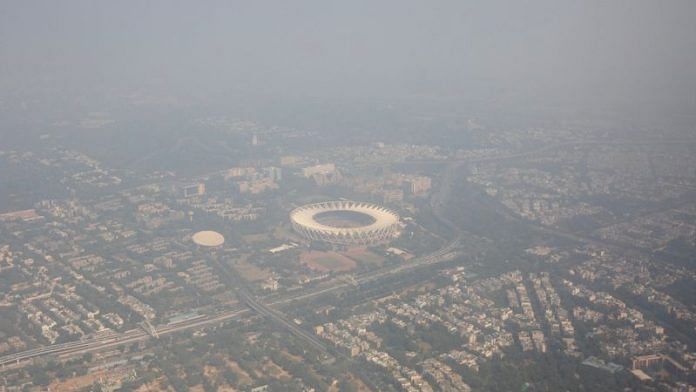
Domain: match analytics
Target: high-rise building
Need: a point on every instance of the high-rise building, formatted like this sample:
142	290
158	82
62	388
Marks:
418	185
274	173
194	190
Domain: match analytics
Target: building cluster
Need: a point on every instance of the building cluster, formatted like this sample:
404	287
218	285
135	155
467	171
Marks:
46	294
235	196
353	336
534	194
642	365
623	332
536	329
80	266
87	267
7	258
156	214
442	375
253	180
98	264
542	314
556	317
322	174
201	275
464	309
643	278
380	154
599	363
555	188
78	169
656	230
529	137
224	208
391	188
482	328
62	313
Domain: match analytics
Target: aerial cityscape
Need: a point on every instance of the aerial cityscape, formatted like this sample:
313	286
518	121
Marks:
171	224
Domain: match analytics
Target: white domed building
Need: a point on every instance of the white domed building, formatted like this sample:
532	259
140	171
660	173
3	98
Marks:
208	239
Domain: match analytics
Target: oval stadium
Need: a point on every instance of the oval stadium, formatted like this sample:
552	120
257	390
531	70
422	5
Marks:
345	222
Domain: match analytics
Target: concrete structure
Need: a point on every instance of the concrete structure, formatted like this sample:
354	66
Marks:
355	223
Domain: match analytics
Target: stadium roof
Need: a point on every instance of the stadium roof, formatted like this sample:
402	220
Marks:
383	217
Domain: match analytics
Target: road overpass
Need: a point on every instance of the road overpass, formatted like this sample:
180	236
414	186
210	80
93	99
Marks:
278	318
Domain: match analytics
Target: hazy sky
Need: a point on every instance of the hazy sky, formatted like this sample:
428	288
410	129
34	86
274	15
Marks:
608	48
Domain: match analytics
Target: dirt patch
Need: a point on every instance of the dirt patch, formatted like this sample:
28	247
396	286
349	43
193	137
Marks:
335	387
210	372
255	238
275	371
364	256
358	384
244	378
154	386
285	232
292	357
82	382
250	272
327	261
